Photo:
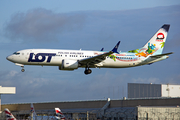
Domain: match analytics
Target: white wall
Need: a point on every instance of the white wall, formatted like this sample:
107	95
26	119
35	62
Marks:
170	90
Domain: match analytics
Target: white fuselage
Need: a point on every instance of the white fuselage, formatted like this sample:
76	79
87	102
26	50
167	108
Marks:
54	57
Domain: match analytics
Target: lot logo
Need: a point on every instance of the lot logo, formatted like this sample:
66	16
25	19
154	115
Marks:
40	57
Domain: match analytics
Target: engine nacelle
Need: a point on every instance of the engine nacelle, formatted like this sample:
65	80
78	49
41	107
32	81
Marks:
68	65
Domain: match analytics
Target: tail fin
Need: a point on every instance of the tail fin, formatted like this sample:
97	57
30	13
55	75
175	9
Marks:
59	114
9	115
157	42
155	45
33	110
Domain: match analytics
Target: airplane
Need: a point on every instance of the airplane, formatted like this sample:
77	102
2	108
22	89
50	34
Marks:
59	114
9	115
35	117
33	113
73	59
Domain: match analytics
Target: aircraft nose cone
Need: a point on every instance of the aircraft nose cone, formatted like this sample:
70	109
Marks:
9	58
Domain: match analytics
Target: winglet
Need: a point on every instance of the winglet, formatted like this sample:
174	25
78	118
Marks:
116	47
102	49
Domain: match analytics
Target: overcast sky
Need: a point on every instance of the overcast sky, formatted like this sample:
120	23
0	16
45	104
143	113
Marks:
87	25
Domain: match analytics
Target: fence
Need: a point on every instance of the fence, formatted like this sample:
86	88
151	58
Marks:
123	113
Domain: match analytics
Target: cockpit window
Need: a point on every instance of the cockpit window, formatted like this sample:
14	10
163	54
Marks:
16	53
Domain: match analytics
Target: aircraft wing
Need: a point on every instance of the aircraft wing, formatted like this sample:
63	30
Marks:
95	60
158	56
99	58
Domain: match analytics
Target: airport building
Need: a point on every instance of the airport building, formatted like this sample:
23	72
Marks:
131	109
6	90
143	106
137	90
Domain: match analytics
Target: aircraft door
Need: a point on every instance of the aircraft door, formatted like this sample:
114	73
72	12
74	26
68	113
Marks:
26	55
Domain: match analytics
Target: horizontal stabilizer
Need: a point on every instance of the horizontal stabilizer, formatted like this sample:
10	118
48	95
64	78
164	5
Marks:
158	56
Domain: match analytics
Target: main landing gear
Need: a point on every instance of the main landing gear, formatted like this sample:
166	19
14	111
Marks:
87	71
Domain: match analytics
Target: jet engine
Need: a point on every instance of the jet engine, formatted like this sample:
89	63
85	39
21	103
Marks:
69	65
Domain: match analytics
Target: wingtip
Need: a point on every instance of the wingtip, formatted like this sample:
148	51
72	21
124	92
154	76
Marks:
102	49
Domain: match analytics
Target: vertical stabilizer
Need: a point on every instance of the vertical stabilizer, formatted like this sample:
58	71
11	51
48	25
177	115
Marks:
9	115
155	45
59	114
33	113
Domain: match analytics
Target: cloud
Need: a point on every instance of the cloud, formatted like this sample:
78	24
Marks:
41	25
99	86
31	88
27	87
34	89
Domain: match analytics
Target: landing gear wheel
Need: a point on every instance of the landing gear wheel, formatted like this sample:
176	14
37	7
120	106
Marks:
88	71
22	70
85	72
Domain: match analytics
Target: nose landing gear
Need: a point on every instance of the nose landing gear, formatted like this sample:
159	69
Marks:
87	71
22	70
21	65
